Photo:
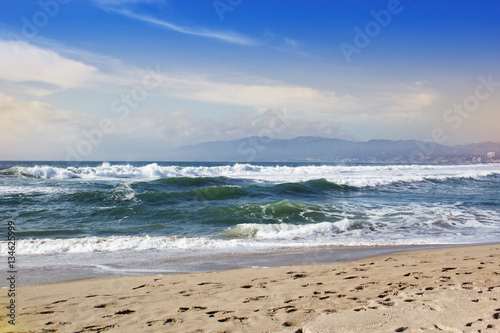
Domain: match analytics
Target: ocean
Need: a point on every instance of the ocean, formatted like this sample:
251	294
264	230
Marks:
85	219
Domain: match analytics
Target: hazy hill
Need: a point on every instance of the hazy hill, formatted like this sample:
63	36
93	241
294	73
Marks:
264	149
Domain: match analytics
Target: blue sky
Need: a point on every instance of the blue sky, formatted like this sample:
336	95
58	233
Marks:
129	80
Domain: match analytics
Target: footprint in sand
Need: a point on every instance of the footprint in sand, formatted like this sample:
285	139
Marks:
213	313
357	269
386	302
287	309
256	298
45	312
260	285
194	308
299	276
290	324
164	322
446	269
95	328
232	318
139	287
312	284
291	300
124	312
61	301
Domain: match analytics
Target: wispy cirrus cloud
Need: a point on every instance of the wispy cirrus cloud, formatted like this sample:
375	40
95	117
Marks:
228	37
125	8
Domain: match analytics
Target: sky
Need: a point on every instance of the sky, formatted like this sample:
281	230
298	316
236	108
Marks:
130	80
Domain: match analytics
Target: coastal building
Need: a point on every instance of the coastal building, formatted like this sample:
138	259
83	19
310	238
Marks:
491	154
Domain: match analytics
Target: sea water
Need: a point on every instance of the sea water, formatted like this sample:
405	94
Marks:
91	219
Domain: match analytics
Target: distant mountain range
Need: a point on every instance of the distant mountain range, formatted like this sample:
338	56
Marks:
317	149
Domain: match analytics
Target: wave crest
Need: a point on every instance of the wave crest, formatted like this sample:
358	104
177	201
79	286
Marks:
337	176
286	230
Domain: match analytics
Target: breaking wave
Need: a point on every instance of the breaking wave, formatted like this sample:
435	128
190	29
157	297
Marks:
355	176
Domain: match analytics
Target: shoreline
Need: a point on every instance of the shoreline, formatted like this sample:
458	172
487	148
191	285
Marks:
450	289
53	271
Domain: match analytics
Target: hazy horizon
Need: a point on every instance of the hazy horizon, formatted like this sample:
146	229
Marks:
130	80
262	149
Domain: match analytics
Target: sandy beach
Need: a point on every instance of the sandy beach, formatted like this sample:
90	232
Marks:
446	290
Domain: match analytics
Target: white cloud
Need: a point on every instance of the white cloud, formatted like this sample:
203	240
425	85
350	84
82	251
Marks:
412	97
30	69
23	62
36	130
180	128
259	96
29	89
125	8
228	37
397	102
39	71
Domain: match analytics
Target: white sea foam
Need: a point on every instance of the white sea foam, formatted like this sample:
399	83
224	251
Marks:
286	230
198	244
113	243
359	176
424	225
27	190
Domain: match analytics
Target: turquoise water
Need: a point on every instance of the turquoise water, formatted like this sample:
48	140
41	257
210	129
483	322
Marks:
87	212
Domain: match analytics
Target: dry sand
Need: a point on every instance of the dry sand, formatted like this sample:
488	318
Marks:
440	290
